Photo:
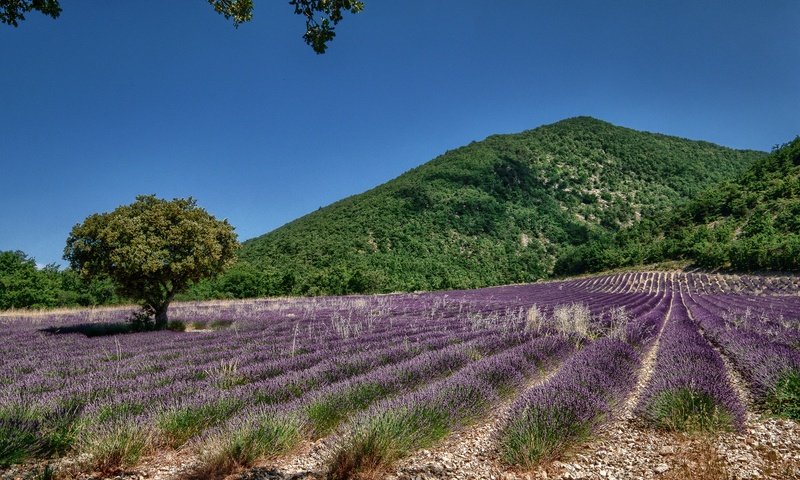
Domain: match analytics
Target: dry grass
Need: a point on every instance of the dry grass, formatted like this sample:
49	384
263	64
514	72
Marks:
618	323
778	466
27	313
574	318
535	320
698	459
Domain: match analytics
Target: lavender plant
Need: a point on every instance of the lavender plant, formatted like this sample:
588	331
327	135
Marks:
689	389
565	409
771	369
392	429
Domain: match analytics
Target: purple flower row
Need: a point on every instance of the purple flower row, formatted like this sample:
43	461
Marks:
393	428
769	367
689	387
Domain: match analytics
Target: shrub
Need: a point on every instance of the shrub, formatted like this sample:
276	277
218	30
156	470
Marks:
26	434
266	433
118	445
176	326
687	410
142	321
784	398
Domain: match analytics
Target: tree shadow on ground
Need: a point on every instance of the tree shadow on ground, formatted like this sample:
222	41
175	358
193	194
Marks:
92	329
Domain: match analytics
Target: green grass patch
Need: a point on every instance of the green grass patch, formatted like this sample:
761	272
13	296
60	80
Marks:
19	441
117	445
265	436
784	398
539	434
687	410
118	411
208	325
387	438
179	425
327	413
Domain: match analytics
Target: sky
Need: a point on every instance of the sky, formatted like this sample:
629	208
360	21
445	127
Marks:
106	103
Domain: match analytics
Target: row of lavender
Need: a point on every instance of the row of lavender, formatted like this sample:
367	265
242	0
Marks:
689	388
64	391
765	355
299	368
700	283
587	391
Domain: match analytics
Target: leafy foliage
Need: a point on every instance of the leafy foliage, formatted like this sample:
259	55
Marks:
24	285
784	399
750	222
152	249
493	212
321	16
13	11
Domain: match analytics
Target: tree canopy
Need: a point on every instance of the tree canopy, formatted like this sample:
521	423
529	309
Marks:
23	284
321	16
152	249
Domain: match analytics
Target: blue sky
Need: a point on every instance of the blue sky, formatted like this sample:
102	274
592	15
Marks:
150	96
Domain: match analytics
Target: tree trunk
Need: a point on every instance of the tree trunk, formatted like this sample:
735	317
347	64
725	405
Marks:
160	310
161	316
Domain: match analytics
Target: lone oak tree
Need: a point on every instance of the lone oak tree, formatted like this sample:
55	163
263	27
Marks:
321	16
152	249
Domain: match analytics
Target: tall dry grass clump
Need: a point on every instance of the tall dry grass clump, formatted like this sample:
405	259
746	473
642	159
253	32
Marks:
573	318
535	320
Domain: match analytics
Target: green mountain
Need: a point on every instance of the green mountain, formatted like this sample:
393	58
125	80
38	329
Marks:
497	211
750	222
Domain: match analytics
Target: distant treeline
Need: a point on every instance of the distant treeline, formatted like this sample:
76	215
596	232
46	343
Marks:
24	285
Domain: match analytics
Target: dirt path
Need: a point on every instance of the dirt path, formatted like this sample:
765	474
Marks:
310	460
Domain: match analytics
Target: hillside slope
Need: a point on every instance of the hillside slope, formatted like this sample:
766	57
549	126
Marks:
493	212
750	222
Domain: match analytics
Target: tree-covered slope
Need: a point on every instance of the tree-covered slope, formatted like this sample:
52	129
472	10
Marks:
750	222
493	212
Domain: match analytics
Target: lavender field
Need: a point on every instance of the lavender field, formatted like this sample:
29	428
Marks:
588	378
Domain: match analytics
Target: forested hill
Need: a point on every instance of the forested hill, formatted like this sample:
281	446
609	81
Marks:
493	212
750	222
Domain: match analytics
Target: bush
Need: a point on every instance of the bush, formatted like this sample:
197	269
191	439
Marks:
142	321
784	399
685	410
176	326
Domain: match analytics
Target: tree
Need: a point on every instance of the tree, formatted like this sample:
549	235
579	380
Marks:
321	16
21	284
152	249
